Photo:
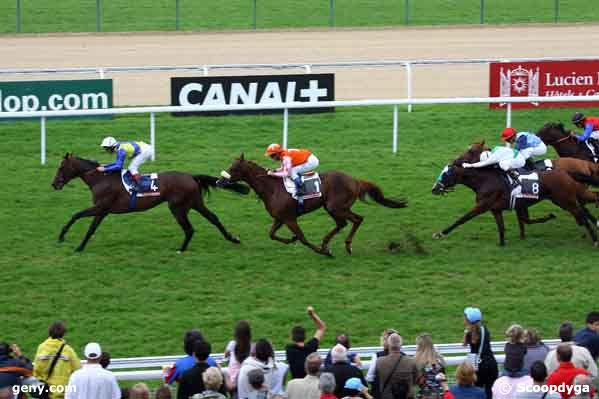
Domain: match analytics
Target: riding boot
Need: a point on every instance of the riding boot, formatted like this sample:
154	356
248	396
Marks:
136	185
530	164
514	175
298	186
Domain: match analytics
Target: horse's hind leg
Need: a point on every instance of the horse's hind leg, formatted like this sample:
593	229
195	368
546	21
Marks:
276	225
500	226
340	223
180	213
92	228
212	218
357	221
92	211
581	218
524	218
295	229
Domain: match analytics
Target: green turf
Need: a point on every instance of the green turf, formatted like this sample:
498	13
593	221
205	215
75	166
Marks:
134	294
158	15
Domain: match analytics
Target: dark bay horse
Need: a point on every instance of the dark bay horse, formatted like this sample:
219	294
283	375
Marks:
182	192
492	194
339	192
555	135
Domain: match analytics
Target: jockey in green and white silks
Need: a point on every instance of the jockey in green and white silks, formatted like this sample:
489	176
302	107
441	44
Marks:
505	157
137	151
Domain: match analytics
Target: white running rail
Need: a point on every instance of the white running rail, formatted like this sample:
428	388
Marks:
454	354
43	115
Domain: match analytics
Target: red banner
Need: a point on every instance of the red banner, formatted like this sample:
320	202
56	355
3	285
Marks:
544	79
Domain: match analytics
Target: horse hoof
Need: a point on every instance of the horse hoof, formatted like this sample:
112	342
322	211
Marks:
596	244
60	239
552	216
235	240
326	252
348	248
79	249
438	235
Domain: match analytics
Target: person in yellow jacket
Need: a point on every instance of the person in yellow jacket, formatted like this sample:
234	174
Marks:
67	363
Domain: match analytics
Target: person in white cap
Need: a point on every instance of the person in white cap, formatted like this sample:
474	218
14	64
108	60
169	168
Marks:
92	381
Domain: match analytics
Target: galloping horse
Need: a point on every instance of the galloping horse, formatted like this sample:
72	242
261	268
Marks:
182	192
492	194
339	192
555	135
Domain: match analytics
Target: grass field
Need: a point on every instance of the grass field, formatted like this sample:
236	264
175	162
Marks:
157	15
134	294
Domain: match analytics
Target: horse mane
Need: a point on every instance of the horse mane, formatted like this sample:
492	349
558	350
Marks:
552	126
88	162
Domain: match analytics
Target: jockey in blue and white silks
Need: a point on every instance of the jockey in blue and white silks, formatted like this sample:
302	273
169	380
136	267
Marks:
137	151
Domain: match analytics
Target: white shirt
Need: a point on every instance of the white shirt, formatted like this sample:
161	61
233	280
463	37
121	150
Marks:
92	381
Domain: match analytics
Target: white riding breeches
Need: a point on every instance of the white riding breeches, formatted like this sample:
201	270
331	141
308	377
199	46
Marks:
145	153
512	163
310	164
535	151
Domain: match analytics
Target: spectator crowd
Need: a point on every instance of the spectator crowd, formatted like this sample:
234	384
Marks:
530	369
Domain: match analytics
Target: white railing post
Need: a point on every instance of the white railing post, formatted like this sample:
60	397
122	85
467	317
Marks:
205	70
409	83
508	115
395	123
101	71
308	68
285	126
43	140
153	134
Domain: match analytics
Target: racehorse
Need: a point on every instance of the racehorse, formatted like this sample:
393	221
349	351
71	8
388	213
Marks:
182	192
493	194
555	135
339	192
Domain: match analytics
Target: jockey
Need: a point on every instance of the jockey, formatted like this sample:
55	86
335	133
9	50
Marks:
508	159
527	144
591	129
293	163
137	151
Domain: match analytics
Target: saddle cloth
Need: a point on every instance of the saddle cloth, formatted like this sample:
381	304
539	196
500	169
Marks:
149	185
529	187
591	148
310	184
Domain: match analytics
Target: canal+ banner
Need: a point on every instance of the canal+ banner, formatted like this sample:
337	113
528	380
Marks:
259	89
544	79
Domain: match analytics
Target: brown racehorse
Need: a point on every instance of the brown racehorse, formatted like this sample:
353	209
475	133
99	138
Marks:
492	194
182	192
555	135
339	192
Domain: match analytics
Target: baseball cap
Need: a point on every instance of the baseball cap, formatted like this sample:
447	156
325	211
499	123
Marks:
354	383
92	351
473	315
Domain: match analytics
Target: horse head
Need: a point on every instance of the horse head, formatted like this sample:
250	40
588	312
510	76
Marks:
446	181
553	133
69	168
242	169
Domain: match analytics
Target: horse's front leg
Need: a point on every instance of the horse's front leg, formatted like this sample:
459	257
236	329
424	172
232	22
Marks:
92	211
92	228
276	225
500	226
477	210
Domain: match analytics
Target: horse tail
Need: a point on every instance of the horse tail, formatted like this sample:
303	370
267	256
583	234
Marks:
583	178
376	194
206	182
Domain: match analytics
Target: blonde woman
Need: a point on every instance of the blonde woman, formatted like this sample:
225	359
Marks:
430	363
515	350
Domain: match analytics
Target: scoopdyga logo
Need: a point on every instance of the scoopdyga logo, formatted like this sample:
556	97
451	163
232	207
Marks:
259	89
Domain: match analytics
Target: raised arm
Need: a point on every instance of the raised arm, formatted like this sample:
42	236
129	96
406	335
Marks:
321	327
